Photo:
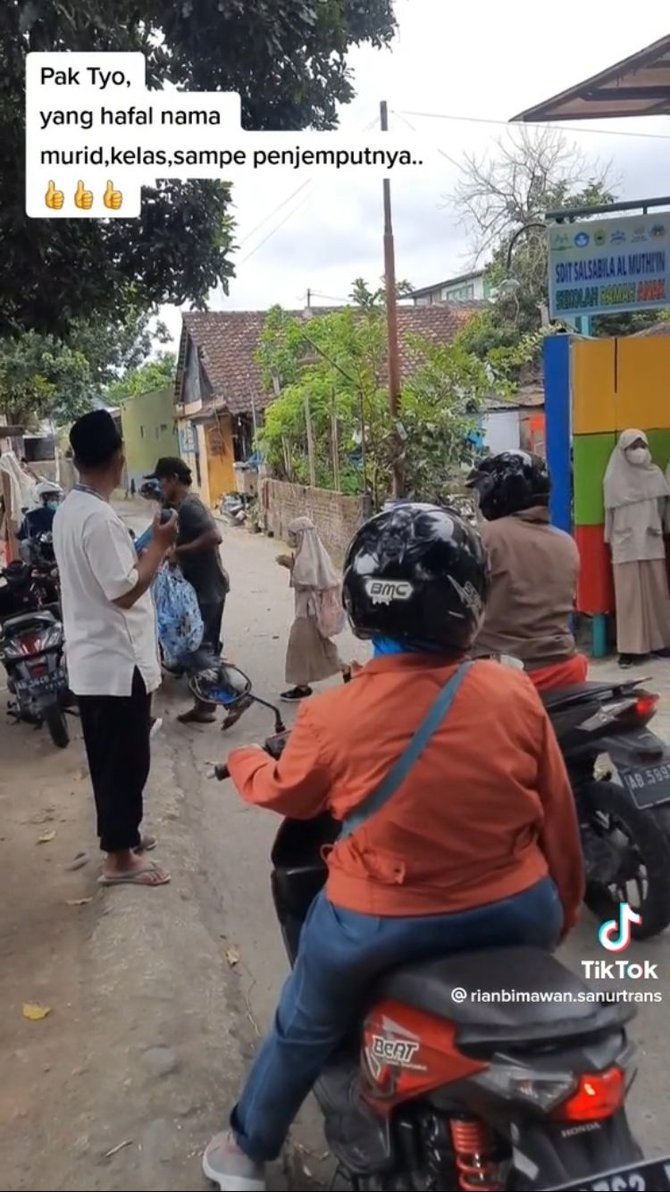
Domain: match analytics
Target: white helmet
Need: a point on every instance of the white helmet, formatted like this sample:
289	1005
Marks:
47	488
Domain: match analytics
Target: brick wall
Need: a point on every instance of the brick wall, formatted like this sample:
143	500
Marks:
335	516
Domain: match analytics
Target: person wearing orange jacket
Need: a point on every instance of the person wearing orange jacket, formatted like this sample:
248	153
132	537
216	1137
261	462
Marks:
534	571
477	845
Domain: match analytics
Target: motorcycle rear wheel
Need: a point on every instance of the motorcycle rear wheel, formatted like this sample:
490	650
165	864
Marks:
611	810
56	723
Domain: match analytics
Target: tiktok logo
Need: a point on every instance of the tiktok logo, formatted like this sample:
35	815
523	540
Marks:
615	934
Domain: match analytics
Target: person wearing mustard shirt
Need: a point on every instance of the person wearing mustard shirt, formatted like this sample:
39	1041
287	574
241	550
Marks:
476	846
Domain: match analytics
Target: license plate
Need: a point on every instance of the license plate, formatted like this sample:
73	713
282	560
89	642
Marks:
643	1177
647	785
42	684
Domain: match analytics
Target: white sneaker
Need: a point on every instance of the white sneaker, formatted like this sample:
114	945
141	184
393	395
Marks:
227	1166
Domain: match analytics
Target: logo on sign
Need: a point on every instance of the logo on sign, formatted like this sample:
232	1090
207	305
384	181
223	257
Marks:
399	1052
658	232
582	239
615	935
600	238
387	591
618	237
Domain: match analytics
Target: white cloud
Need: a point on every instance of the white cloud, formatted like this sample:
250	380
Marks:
482	60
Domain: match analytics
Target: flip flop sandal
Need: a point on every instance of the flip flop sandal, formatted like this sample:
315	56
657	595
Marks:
135	878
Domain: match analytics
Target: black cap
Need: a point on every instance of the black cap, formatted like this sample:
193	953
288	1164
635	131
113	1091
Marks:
170	465
95	439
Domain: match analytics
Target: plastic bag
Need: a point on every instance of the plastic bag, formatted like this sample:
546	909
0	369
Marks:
180	627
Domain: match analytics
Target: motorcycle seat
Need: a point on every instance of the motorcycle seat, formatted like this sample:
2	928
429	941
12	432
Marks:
532	975
581	693
17	624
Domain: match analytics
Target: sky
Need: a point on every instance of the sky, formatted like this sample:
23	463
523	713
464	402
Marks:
479	64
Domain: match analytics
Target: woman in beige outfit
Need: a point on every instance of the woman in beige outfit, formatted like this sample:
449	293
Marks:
311	655
637	513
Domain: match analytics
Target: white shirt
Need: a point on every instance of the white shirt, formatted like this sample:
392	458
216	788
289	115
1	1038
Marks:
98	564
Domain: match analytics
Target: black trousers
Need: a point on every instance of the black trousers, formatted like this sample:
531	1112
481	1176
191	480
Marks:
117	738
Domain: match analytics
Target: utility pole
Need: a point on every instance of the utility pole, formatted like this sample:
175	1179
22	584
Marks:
392	324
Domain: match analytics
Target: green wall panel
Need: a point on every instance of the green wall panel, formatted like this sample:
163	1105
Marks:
591	455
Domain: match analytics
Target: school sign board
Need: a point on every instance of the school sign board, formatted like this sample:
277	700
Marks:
606	266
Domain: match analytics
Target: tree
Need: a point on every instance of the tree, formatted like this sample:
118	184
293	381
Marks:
42	378
288	61
331	369
155	374
119	346
531	173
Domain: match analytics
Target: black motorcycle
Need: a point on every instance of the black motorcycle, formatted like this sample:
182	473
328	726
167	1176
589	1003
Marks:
625	823
435	1089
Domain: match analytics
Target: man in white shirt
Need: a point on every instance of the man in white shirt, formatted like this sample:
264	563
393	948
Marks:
110	643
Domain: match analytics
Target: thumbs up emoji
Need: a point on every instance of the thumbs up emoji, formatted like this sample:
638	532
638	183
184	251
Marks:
54	199
113	199
83	199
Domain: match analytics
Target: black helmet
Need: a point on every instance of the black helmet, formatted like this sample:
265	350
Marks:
417	573
510	482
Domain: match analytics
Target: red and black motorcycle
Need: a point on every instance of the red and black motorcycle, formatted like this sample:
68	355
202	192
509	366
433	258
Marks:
448	1083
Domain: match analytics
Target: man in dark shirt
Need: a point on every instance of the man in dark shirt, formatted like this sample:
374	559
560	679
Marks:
197	553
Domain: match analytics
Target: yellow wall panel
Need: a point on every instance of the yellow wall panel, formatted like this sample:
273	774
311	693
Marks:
643	383
592	380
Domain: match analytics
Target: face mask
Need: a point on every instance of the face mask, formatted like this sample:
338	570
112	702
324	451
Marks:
639	455
52	505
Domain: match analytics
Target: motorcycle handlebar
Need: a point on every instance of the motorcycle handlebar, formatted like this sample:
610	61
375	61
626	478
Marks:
274	746
221	773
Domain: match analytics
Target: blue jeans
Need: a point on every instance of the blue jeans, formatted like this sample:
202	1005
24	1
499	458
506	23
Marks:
340	955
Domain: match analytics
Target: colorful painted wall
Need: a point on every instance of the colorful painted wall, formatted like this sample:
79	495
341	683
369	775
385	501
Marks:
614	384
149	431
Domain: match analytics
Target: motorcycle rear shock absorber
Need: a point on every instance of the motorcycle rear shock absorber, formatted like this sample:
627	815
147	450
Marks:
476	1156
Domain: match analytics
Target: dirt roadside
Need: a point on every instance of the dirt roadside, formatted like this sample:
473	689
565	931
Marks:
147	1033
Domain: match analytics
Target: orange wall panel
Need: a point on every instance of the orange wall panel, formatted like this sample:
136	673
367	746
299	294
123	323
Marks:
642	382
592	382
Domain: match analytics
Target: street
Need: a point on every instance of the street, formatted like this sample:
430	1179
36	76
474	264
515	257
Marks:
157	997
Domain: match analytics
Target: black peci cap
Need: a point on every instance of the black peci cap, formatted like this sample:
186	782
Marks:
95	439
170	465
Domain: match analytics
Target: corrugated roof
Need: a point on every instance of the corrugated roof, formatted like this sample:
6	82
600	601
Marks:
227	343
638	86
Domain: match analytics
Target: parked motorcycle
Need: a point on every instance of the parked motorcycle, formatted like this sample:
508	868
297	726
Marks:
31	650
439	1089
625	824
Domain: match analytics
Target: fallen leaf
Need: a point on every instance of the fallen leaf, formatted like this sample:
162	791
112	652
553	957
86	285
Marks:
79	901
46	837
35	1013
233	957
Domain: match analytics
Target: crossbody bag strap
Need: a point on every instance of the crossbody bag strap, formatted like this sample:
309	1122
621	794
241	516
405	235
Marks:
406	762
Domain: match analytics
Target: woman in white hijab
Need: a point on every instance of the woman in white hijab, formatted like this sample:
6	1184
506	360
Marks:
311	655
637	513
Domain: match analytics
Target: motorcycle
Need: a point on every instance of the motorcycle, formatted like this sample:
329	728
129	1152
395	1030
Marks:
31	651
439	1089
625	824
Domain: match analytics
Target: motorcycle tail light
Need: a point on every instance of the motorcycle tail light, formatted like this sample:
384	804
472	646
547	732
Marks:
596	1097
632	712
38	668
544	1090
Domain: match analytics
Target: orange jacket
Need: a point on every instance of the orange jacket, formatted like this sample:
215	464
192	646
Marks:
570	673
486	812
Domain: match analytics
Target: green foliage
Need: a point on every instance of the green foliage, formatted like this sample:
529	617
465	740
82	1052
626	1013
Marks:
332	369
288	60
40	378
156	374
532	172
